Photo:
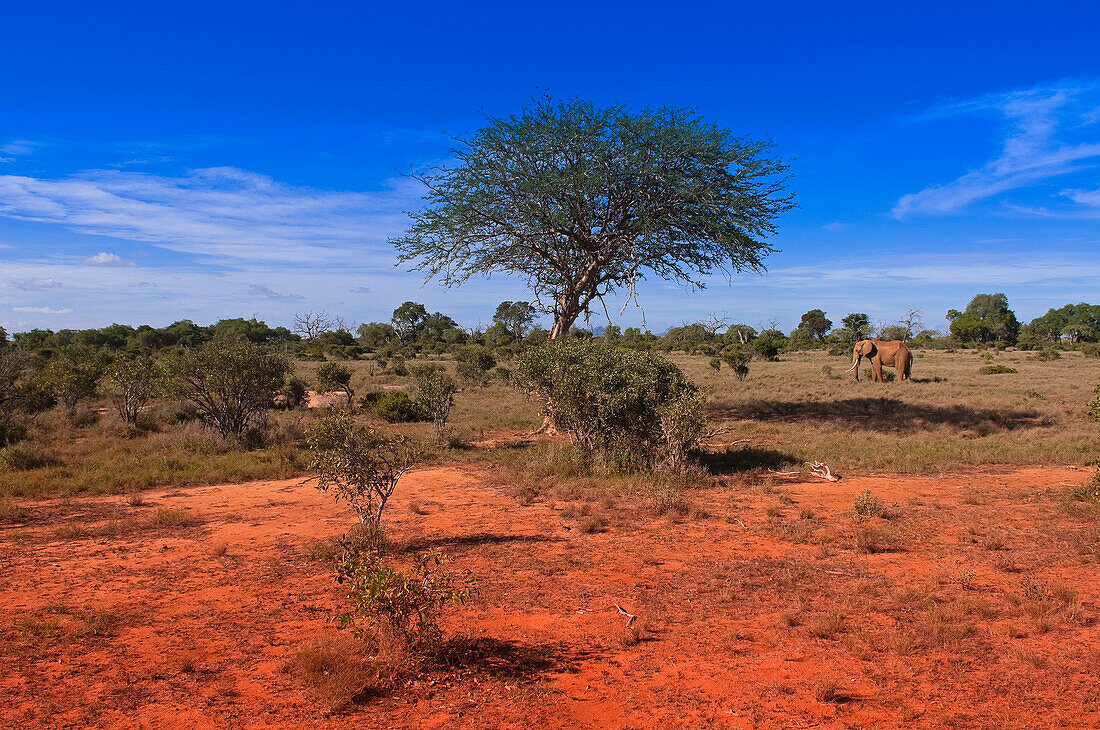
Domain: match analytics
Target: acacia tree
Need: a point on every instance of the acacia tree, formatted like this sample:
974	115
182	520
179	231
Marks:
582	202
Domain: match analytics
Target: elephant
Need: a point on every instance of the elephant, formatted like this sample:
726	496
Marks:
892	354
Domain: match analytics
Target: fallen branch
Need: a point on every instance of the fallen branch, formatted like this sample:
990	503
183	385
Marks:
821	469
624	612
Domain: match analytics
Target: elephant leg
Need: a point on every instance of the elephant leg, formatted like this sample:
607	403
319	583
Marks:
876	370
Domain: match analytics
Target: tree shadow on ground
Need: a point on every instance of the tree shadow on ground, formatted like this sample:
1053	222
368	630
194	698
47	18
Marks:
508	659
882	414
481	538
732	461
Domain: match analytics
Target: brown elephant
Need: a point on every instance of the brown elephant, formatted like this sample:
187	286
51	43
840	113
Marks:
893	354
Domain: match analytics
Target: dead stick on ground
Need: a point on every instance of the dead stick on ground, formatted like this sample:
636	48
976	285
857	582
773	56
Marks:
624	612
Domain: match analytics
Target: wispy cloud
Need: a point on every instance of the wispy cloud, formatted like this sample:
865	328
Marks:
17	147
257	290
38	284
42	310
1048	132
222	211
107	259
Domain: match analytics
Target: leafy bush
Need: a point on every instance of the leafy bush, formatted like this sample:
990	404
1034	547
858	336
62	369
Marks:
333	377
738	357
868	505
715	364
395	406
405	605
232	382
72	376
1091	349
474	363
766	348
683	426
1094	406
294	392
605	397
996	370
359	464
435	394
1048	354
134	382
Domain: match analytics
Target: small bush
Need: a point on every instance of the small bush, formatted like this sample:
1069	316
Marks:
1091	349
335	377
605	397
868	505
683	426
231	382
473	363
405	605
996	370
715	364
737	357
1088	492
435	395
359	464
22	458
1048	354
395	406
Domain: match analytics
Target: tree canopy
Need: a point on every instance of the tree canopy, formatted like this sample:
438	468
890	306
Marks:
986	318
583	201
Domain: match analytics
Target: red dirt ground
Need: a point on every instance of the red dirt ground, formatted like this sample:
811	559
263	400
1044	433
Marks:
977	607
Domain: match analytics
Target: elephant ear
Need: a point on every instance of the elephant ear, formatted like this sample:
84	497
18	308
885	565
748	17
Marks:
867	348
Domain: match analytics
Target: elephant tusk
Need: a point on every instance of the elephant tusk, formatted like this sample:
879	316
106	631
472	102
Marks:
856	365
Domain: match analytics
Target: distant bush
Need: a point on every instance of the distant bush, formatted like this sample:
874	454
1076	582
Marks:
1091	349
231	382
605	397
135	381
738	357
1048	354
715	364
333	377
72	376
766	348
474	363
435	394
996	370
294	392
395	406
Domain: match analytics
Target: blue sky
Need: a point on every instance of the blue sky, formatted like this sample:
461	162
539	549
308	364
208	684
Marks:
197	160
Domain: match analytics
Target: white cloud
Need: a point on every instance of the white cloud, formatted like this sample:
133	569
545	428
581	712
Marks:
42	310
221	211
1035	147
107	259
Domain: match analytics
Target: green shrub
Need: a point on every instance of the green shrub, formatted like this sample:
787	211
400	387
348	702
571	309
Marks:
135	381
996	370
715	364
766	348
358	464
473	363
71	377
605	397
1091	349
294	392
1094	406
333	377
868	505
404	605
435	395
738	357
395	406
1048	354
231	382
683	426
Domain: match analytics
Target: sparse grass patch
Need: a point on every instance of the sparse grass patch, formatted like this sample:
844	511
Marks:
590	524
827	626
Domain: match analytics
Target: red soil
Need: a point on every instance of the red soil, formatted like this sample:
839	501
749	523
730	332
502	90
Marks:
982	615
